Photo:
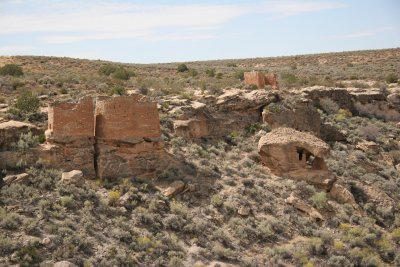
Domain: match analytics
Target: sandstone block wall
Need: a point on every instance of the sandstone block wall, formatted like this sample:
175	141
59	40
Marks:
255	78
127	118
260	80
115	137
69	121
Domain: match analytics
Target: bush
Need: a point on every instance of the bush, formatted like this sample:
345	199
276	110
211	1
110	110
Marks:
210	72
113	197
343	114
117	72
182	68
392	78
26	140
319	200
27	103
107	69
12	70
239	75
118	90
328	105
122	74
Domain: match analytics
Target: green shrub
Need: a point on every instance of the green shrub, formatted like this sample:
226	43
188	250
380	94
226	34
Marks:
118	90
67	201
210	72
289	79
12	70
392	78
27	103
182	68
319	200
239	75
122	74
26	140
343	114
116	72
193	72
107	70
113	197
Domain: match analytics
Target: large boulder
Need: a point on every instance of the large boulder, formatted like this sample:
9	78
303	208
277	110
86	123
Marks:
73	177
285	149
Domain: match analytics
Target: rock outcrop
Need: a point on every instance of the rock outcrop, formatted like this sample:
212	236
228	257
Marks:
300	156
285	150
128	136
304	207
371	102
10	132
234	110
304	117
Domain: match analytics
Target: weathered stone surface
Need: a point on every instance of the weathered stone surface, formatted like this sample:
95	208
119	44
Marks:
192	128
342	195
378	109
330	133
304	117
234	110
244	211
175	188
10	132
53	156
371	102
116	160
64	264
286	150
304	207
367	146
73	177
17	178
340	95
394	99
260	80
128	137
271	79
255	78
68	122
127	119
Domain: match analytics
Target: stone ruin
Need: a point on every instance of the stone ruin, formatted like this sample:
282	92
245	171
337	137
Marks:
106	137
300	156
287	151
261	80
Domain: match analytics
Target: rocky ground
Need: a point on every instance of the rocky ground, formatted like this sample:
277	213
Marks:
216	204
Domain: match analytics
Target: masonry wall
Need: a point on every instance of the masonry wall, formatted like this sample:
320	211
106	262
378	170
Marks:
127	119
255	78
68	121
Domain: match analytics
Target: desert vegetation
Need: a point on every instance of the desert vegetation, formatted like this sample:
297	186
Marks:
234	211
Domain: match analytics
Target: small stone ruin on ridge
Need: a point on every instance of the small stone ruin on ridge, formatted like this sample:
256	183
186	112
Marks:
260	79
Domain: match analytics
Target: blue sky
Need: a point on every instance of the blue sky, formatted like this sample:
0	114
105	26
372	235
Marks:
165	31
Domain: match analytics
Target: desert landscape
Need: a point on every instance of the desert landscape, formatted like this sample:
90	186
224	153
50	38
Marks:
278	161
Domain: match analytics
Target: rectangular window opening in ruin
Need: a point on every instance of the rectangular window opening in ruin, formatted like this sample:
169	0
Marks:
300	152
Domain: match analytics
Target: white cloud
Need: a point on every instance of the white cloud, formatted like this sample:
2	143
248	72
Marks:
361	34
73	21
10	50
